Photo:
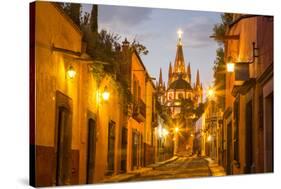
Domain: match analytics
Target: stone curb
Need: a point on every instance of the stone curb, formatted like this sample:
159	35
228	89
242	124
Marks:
215	169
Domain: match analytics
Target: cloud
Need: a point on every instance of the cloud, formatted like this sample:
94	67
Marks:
123	16
146	36
197	32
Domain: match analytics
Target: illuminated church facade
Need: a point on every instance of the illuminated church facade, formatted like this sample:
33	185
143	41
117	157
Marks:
179	86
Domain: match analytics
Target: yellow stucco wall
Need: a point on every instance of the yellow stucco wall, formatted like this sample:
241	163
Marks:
54	28
51	68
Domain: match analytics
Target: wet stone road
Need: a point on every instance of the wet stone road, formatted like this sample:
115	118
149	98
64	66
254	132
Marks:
183	167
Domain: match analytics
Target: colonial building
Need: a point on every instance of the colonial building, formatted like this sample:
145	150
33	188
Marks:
180	93
248	118
82	128
211	130
139	122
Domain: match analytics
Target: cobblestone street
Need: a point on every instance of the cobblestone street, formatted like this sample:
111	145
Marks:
182	167
176	167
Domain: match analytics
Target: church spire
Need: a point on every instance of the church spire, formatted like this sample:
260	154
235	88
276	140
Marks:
179	65
197	79
170	70
189	72
170	74
160	78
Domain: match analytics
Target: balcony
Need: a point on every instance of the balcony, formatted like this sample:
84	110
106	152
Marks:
139	110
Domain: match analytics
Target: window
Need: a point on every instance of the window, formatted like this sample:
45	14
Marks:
134	148
180	96
139	91
111	143
135	89
124	149
170	96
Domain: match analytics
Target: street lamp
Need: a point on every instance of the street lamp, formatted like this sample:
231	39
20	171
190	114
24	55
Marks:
105	94
71	72
209	138
230	65
165	132
177	130
210	92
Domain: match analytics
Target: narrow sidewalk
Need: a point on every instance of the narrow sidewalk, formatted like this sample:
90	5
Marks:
215	168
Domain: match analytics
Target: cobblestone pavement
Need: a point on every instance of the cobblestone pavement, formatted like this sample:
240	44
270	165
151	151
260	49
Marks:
182	167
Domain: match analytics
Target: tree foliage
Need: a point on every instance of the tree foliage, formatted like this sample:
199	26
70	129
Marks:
94	19
103	47
219	75
140	48
219	68
219	29
73	10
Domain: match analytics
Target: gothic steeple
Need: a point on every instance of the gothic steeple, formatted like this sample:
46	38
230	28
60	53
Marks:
179	65
170	70
189	72
197	79
170	74
160	78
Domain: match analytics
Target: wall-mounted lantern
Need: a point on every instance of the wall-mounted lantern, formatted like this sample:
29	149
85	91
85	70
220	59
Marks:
71	72
105	94
241	69
229	65
209	139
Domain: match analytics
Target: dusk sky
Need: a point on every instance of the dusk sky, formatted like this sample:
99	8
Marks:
157	30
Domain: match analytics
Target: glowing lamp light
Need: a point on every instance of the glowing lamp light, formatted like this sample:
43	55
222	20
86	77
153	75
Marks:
210	92
105	94
177	130
209	138
230	67
160	133
177	103
71	72
165	132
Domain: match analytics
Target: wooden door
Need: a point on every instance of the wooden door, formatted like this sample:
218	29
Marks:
249	137
63	155
229	148
91	150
